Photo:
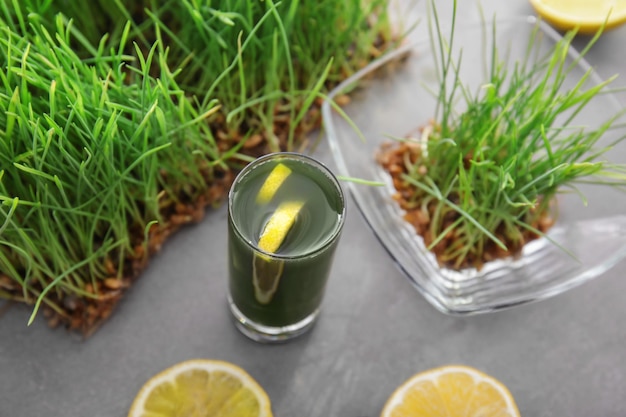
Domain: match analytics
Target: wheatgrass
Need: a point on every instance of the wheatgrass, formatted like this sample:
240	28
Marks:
493	159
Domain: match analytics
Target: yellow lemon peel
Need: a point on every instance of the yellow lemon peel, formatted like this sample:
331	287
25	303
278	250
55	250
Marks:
273	182
266	270
266	276
279	225
586	15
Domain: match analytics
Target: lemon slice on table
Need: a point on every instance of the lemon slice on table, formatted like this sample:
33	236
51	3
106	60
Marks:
266	271
273	182
458	391
201	388
586	15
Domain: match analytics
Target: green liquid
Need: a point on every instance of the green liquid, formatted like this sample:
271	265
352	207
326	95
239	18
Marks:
304	258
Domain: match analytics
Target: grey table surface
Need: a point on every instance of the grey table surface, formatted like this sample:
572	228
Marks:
565	356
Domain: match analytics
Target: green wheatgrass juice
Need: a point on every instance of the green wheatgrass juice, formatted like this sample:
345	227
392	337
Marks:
285	287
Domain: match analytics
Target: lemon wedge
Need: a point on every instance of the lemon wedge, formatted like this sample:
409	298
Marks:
279	225
266	276
266	271
201	388
586	15
459	391
273	182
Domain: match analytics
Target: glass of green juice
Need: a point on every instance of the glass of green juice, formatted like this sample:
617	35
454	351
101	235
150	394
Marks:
285	215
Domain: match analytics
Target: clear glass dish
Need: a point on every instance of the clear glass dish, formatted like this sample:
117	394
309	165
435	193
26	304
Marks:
391	98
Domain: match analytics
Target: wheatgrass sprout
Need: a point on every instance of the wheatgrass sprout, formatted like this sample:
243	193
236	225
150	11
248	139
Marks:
93	19
275	57
90	155
490	171
265	61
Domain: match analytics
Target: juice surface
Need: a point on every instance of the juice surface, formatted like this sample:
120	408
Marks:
316	221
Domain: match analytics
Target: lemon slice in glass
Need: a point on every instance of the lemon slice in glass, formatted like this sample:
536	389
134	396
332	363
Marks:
278	226
201	388
266	271
459	391
266	276
586	15
273	182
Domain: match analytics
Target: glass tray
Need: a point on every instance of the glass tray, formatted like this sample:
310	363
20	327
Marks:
391	98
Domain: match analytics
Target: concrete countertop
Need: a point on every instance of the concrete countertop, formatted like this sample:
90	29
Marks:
565	356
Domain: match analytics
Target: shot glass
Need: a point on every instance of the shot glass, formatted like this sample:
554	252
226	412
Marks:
285	216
